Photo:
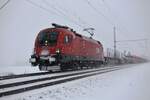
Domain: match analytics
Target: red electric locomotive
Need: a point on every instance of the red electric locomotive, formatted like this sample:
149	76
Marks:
62	48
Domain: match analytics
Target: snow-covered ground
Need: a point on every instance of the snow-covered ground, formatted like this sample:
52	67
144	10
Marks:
11	70
126	84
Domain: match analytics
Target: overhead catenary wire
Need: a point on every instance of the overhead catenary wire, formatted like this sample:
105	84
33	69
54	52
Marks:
121	25
65	13
41	7
51	11
132	40
74	15
99	12
111	11
53	7
61	12
107	19
106	5
145	40
125	28
4	4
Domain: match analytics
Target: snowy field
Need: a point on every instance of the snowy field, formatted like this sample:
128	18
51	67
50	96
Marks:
126	84
11	70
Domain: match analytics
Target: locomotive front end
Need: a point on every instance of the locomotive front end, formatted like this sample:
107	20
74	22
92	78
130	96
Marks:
46	51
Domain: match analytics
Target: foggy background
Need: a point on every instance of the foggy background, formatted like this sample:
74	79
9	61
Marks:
21	20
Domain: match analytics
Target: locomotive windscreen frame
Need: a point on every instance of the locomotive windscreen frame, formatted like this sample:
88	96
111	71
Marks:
48	38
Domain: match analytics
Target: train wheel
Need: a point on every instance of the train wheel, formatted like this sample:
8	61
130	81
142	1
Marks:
40	67
74	66
63	67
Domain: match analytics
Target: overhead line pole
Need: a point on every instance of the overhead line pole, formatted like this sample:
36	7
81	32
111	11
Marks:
115	46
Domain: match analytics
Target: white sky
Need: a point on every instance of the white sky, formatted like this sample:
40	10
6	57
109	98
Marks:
20	22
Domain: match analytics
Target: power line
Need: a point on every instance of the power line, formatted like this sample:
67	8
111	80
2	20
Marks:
41	7
61	12
109	9
132	40
107	6
98	12
58	8
4	4
136	40
114	16
54	8
81	20
112	13
50	11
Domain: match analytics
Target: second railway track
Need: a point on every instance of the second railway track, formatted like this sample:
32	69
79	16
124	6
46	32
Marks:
15	87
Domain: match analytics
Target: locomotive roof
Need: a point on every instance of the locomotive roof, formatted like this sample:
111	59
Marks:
56	26
81	36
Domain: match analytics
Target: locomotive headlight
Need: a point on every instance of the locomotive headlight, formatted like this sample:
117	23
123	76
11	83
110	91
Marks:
58	51
44	52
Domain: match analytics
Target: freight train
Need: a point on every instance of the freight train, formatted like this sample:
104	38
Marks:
63	48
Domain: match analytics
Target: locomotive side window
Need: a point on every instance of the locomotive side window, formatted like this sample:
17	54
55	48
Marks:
67	39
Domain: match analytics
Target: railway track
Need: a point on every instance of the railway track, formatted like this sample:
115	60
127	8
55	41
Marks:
29	75
21	84
23	75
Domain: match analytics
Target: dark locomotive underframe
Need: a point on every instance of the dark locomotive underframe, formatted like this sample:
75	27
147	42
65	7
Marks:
67	62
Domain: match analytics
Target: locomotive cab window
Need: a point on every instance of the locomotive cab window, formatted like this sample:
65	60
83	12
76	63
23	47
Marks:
48	38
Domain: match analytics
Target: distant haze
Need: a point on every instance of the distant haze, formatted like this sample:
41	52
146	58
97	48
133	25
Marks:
20	21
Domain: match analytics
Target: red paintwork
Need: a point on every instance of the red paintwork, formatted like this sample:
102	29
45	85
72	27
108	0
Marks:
78	47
